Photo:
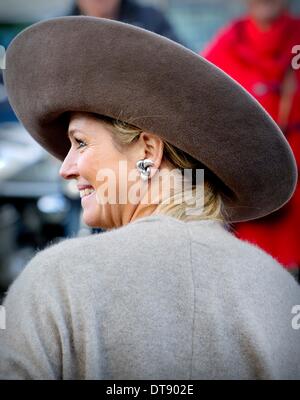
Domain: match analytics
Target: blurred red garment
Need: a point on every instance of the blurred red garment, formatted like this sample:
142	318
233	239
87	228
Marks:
261	61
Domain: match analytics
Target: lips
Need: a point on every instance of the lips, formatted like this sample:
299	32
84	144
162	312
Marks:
83	187
85	190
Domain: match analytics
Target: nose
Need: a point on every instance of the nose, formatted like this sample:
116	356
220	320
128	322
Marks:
68	169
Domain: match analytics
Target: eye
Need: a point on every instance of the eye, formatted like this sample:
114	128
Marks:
81	143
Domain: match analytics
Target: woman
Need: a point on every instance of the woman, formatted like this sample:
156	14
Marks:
128	11
257	51
166	292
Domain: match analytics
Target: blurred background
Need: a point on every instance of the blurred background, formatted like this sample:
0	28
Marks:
37	208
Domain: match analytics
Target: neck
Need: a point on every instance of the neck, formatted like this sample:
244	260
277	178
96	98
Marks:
158	189
266	24
145	207
112	15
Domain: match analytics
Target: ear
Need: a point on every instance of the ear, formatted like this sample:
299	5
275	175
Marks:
152	147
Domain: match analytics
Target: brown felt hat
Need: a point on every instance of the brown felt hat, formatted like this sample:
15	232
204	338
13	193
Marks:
111	68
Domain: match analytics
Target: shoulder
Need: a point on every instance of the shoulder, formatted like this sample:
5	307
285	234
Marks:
147	17
242	266
225	37
83	268
295	24
231	31
146	11
137	240
155	240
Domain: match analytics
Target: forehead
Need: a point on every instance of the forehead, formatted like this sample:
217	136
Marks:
84	122
81	122
89	125
79	119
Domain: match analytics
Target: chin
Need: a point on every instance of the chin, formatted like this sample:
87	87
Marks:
94	221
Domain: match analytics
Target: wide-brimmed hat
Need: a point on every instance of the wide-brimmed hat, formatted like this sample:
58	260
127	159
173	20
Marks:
111	68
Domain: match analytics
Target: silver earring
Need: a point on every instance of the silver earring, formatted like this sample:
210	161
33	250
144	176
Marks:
144	168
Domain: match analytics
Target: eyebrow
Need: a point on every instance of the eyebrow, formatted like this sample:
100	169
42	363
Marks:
72	131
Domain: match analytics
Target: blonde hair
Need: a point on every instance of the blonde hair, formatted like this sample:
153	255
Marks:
124	134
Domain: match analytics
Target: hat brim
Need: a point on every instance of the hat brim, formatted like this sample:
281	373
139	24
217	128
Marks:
90	64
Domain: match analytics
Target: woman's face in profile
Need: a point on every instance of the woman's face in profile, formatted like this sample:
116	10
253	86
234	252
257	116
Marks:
92	156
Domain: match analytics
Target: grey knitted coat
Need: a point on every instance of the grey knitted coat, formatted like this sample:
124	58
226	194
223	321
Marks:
156	299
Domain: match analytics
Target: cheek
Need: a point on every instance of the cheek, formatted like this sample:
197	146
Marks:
87	166
94	164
